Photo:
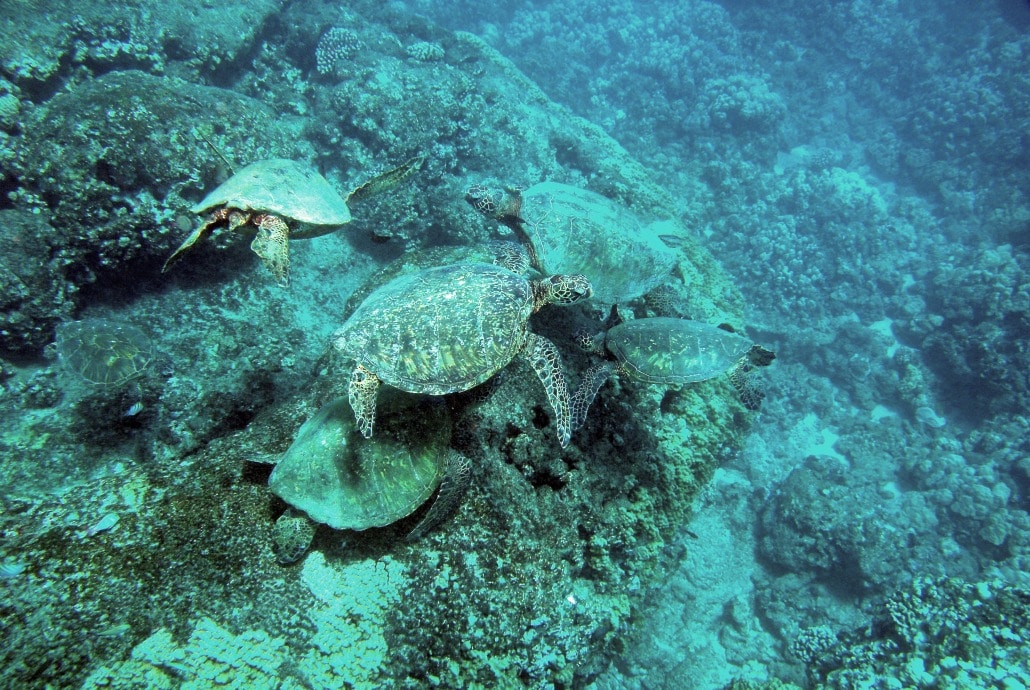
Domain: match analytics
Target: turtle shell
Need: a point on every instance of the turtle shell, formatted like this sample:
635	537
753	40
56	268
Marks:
578	231
440	330
668	350
102	351
348	482
497	252
286	188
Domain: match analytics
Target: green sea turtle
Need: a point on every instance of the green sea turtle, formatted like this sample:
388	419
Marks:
333	477
665	350
447	329
104	352
572	230
282	200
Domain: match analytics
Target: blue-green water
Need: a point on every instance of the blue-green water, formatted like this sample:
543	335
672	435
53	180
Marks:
843	183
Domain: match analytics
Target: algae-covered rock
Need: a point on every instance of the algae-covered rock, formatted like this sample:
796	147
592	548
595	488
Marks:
537	578
107	35
33	293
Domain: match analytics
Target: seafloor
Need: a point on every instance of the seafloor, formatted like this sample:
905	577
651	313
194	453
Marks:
847	183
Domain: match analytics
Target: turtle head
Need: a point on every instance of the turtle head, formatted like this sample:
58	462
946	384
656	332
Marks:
503	206
485	200
589	342
561	289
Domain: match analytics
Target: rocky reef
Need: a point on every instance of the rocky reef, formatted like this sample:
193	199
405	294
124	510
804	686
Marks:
136	518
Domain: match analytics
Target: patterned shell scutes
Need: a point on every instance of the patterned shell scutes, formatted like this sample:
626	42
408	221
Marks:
102	351
348	482
440	330
286	188
578	231
499	252
670	350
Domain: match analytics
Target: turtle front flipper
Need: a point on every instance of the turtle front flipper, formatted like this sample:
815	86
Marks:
272	244
364	385
587	391
385	180
546	362
197	235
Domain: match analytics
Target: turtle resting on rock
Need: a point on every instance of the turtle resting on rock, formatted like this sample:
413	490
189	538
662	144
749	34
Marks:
330	476
571	230
665	350
449	328
281	200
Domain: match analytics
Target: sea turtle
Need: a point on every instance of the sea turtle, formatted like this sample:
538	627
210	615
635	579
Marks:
665	350
333	479
113	356
102	351
449	328
281	200
571	230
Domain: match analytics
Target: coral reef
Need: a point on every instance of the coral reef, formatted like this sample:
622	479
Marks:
148	511
943	631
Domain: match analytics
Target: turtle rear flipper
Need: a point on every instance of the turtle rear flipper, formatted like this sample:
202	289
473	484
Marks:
362	391
386	180
456	479
187	244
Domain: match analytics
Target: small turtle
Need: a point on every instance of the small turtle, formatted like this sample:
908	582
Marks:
104	352
447	329
269	196
333	479
571	230
665	350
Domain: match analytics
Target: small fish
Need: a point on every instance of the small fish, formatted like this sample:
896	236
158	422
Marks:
136	408
103	525
11	569
114	630
673	241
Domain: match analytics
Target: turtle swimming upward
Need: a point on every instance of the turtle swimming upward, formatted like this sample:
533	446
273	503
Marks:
446	329
281	200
